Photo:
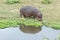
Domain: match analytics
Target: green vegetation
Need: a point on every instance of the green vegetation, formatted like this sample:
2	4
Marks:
31	22
8	23
53	25
46	1
51	12
16	22
12	1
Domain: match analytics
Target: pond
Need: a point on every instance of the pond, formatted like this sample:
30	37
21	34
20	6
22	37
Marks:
16	34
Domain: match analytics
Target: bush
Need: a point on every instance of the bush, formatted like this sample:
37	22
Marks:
13	1
46	1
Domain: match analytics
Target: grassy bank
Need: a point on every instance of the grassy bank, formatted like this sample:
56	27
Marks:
28	22
51	12
16	22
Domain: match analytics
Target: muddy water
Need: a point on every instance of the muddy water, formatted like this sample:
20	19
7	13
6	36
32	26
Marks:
17	34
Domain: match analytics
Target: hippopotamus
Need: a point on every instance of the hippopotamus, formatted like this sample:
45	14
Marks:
29	11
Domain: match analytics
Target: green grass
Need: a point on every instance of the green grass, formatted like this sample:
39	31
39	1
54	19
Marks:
52	25
13	1
31	22
7	23
46	1
51	12
16	22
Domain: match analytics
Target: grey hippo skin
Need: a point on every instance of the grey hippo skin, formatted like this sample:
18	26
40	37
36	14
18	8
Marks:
29	11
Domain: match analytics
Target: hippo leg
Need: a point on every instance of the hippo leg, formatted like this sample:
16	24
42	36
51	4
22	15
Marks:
24	16
21	15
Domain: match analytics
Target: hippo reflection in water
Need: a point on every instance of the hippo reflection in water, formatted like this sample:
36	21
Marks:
30	29
29	11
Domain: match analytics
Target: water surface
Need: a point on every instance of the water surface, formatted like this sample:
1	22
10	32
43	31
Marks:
17	34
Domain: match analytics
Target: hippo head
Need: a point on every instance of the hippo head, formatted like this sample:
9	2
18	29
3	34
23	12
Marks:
39	17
